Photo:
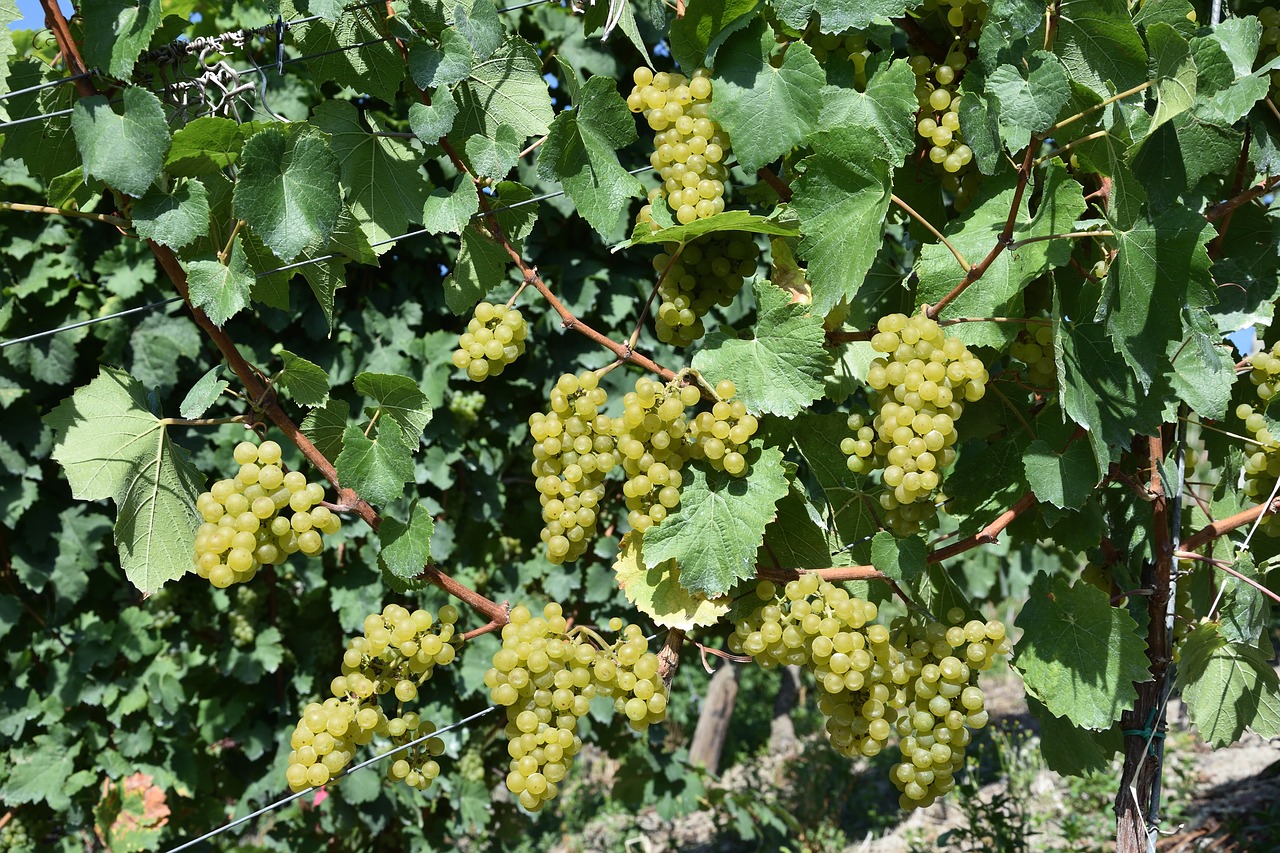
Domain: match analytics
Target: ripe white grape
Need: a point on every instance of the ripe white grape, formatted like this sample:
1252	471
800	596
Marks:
495	337
709	271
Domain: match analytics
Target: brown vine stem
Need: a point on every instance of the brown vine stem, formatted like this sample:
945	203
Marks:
669	656
1224	526
1003	241
1105	103
1259	189
117	221
248	377
1222	566
988	534
1237	184
779	186
929	226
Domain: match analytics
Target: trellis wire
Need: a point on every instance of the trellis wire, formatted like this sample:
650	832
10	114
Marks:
363	764
287	267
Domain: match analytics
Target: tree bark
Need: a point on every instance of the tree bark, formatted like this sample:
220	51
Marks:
782	731
713	722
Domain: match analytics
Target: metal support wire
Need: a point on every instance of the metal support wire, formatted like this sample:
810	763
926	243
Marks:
363	764
90	322
48	84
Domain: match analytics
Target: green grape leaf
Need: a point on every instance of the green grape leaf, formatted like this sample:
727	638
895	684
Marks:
704	26
836	16
287	190
507	88
325	426
173	218
778	224
47	146
9	13
482	264
899	559
1012	270
1203	367
376	468
1248	270
1175	73
221	291
766	110
658	593
797	538
494	158
1165	253
779	370
1028	96
1228	85
207	144
1099	45
124	150
351	52
1070	750
382	178
714	534
581	153
399	398
111	446
843	201
1228	687
1065	479
158	344
40	773
406	548
116	32
203	394
449	211
435	67
306	381
1079	655
431	122
885	109
1245	612
479	24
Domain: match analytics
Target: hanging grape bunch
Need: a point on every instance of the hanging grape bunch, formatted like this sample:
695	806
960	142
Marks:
709	271
720	436
922	380
259	517
690	150
494	338
396	655
653	440
939	122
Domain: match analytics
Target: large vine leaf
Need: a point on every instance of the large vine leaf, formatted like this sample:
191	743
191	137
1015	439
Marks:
351	52
836	16
111	446
695	35
1079	655
117	31
885	108
779	369
287	190
173	217
1099	45
124	150
766	110
507	88
1228	687
658	593
714	534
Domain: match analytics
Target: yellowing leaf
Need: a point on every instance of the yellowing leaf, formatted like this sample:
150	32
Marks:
657	592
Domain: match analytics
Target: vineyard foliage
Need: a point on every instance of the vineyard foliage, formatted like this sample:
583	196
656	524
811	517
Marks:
724	367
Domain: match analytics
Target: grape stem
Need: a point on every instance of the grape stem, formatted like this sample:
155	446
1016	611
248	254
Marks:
1224	526
720	653
1100	105
1088	137
929	226
117	221
644	313
669	656
1226	567
235	419
1071	236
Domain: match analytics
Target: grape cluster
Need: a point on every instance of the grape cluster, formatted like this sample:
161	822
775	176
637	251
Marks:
653	436
962	16
939	124
690	149
922	380
720	436
1262	452
916	676
494	338
1034	348
574	448
246	525
242	617
466	408
1269	45
546	676
850	45
709	271
396	655
15	838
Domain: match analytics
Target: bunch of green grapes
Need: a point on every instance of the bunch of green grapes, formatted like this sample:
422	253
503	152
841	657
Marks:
963	17
494	338
574	448
690	150
1269	45
652	440
15	838
628	671
939	668
1262	452
259	517
709	271
397	653
244	615
939	124
720	436
466	408
1034	348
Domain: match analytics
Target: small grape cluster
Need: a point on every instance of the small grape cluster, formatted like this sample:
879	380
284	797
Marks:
720	436
494	338
397	653
939	124
653	436
466	408
1034	348
850	45
1269	44
1262	451
690	149
709	271
245	522
242	617
574	448
960	15
917	676
923	379
546	676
